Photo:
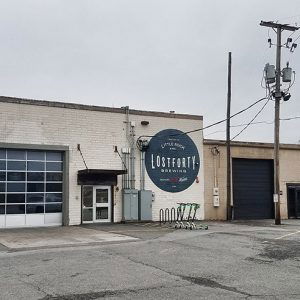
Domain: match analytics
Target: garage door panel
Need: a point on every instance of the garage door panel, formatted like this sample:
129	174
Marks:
252	188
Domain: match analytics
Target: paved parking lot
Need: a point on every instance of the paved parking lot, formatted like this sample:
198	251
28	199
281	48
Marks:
239	260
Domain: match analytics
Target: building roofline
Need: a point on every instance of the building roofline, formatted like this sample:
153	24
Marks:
14	100
250	144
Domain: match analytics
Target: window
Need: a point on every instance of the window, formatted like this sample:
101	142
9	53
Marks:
15	176
15	165
2	176
16	154
15	198
2	165
36	176
35	166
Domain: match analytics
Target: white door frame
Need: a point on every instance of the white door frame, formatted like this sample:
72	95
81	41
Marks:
108	204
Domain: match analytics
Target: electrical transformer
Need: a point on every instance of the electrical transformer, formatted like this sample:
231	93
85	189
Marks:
287	74
270	73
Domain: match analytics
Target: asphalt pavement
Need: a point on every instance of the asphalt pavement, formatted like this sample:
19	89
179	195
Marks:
236	260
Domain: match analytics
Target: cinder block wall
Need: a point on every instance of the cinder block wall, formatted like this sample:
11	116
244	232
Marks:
97	132
289	171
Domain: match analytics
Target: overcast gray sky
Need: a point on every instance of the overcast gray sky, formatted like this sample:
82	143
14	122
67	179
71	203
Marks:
149	54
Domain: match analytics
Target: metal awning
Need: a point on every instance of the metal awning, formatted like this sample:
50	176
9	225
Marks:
99	176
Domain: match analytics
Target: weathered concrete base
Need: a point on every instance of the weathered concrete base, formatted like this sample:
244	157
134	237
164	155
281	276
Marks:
57	236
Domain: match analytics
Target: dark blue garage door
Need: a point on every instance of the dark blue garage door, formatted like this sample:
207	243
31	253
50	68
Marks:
252	189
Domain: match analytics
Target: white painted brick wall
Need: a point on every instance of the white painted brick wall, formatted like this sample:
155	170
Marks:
97	132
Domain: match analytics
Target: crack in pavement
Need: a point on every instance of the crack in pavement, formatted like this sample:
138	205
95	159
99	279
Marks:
101	294
202	281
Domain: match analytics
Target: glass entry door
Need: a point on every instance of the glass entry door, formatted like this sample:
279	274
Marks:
102	204
96	204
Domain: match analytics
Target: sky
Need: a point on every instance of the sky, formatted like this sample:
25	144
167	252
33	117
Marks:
159	55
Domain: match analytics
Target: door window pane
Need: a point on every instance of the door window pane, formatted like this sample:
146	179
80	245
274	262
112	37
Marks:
2	165
35	155
87	214
15	176
35	166
35	176
2	198
54	176
54	166
55	197
87	196
2	176
16	187
54	156
101	196
2	154
34	198
15	198
35	187
16	154
2	187
35	208
16	165
101	213
53	208
2	209
15	209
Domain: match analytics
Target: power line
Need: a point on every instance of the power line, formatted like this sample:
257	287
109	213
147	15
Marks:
255	123
224	120
297	38
252	119
291	118
208	126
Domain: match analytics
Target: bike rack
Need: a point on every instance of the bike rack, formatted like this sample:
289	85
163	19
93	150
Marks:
177	216
161	216
173	215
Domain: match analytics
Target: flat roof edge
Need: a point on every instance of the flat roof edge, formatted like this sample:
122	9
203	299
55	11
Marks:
250	144
15	100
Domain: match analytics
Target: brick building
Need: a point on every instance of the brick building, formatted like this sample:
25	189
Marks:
252	180
62	163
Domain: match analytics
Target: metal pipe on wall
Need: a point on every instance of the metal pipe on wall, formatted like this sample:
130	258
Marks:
142	170
132	155
130	134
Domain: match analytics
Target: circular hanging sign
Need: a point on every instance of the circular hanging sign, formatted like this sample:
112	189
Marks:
172	160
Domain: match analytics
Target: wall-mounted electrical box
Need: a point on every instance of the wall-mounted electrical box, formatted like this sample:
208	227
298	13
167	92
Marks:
130	205
153	196
216	200
216	191
145	205
125	150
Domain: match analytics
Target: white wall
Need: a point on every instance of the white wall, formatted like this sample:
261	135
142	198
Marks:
97	132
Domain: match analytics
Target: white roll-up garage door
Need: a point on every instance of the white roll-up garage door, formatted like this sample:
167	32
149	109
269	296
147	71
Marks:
31	188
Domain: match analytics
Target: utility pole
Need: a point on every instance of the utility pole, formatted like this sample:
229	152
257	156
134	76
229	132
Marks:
229	208
277	95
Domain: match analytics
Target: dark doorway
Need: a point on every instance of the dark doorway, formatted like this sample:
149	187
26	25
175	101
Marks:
252	188
293	196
